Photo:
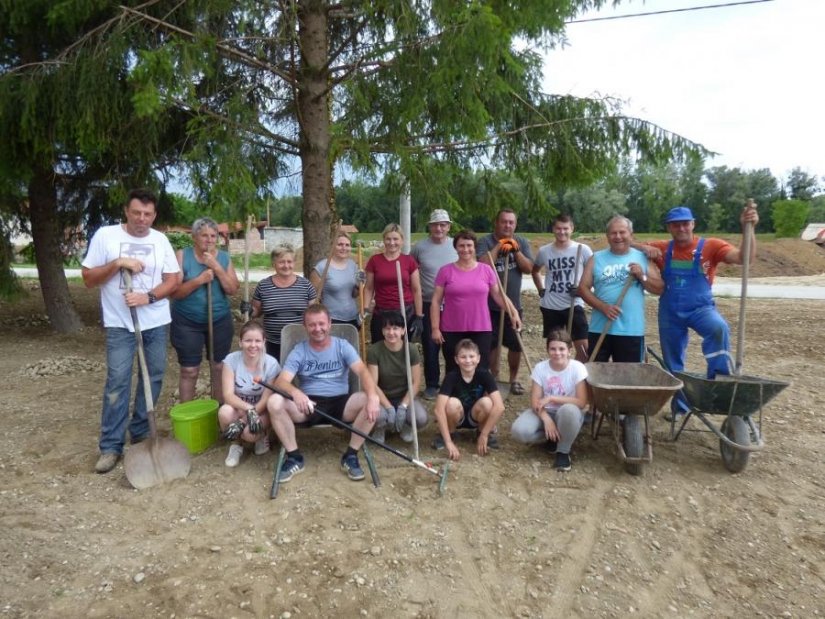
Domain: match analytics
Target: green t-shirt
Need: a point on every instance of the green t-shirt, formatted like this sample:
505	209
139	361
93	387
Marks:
392	368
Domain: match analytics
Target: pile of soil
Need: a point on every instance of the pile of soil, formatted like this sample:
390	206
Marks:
510	537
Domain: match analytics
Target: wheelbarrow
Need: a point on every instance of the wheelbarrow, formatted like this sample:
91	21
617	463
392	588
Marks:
628	394
737	398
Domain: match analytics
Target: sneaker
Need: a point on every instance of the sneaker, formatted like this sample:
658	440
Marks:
351	466
380	434
290	468
438	441
431	393
551	446
562	463
516	388
262	446
407	433
233	458
106	462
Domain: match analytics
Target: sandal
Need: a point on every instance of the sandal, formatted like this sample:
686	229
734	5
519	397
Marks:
516	388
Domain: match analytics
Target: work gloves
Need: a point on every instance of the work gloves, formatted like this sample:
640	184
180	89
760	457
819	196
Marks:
400	417
254	421
234	430
505	246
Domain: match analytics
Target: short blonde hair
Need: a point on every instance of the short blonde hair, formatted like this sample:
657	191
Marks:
392	228
280	251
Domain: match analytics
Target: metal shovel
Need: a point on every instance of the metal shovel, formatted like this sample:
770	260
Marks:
157	459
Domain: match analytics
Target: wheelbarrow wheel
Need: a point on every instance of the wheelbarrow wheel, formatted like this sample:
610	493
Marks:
634	442
736	429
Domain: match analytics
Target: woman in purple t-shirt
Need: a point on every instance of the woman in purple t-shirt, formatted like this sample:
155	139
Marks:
463	288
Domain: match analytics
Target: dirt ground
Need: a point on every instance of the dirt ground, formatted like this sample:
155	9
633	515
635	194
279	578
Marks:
510	537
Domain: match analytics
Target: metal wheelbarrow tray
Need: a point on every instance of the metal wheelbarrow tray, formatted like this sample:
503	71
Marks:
737	398
629	393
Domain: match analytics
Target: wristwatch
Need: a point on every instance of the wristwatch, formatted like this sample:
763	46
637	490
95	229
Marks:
152	297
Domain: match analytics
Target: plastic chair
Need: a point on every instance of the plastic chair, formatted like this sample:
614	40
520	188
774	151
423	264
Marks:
292	335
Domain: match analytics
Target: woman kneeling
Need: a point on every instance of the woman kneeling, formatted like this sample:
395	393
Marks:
558	396
243	417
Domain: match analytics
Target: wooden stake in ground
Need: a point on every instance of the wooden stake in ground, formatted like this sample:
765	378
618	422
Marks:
501	318
504	309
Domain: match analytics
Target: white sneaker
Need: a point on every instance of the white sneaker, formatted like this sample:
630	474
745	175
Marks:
262	445
233	458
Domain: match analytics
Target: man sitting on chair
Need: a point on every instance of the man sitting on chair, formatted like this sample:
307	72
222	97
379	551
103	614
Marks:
322	364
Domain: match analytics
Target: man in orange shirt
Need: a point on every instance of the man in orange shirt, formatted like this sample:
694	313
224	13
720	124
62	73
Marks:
688	265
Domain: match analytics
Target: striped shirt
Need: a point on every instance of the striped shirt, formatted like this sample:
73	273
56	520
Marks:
283	306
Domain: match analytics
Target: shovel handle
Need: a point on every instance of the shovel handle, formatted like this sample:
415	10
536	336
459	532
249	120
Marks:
144	370
747	237
627	284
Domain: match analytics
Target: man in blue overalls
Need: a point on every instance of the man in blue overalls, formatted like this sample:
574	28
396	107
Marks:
688	265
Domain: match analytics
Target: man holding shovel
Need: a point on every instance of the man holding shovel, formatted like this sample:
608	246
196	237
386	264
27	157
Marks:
511	257
563	262
613	284
688	265
112	249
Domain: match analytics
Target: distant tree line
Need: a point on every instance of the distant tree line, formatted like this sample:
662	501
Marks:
644	193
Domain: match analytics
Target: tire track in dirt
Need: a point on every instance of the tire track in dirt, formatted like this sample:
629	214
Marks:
572	572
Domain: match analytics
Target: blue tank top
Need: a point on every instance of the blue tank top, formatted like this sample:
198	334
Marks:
193	306
610	271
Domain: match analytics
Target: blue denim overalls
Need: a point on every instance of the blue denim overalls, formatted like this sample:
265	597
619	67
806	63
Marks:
687	302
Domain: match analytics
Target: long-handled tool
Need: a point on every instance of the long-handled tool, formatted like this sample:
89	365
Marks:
746	263
413	420
210	340
441	474
246	250
157	459
329	261
627	284
575	285
501	317
362	332
503	310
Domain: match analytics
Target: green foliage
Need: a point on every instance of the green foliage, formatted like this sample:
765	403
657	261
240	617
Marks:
179	240
816	212
789	217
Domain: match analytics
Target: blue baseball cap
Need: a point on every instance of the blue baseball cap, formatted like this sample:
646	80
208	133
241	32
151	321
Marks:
679	213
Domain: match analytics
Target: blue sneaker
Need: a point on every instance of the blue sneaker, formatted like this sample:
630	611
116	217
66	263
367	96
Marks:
562	463
290	468
351	466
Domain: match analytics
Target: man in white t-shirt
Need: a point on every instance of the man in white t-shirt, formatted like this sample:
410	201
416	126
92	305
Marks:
149	256
431	254
563	262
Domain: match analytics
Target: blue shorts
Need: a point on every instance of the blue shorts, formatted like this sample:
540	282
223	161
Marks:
189	338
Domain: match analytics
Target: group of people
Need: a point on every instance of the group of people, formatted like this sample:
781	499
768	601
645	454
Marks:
460	295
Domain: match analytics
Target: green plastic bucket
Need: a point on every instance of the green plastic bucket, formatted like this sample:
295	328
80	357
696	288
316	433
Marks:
195	424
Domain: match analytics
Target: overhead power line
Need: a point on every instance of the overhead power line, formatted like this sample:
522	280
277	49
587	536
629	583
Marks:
665	11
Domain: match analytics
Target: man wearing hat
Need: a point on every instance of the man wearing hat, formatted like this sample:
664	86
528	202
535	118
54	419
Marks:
431	254
688	265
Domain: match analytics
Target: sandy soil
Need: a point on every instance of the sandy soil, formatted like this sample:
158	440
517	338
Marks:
509	538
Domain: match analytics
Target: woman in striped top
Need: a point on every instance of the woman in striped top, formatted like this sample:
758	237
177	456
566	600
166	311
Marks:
282	298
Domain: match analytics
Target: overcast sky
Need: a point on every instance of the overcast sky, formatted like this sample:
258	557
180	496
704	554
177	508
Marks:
745	81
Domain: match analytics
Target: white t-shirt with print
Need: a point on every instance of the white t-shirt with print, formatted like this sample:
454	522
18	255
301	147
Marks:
562	382
246	387
154	251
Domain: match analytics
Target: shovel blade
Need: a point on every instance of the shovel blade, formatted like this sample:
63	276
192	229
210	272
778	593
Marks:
156	461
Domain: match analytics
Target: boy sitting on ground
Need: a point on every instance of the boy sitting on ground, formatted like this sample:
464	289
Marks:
468	398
